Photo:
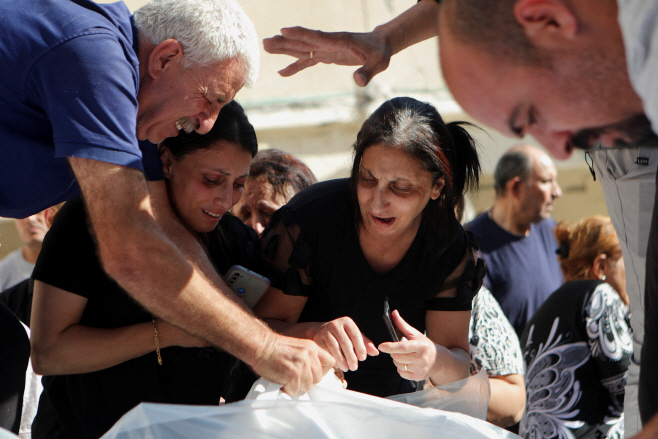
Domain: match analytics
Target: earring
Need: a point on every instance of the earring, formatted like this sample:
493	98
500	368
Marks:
603	278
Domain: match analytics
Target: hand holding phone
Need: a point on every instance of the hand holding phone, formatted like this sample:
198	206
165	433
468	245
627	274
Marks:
389	322
249	285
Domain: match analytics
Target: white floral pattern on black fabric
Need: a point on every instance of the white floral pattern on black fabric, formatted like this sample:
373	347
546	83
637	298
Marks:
551	388
493	343
608	332
554	395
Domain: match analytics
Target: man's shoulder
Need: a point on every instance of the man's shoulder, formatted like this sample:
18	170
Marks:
543	231
492	237
37	27
547	224
479	223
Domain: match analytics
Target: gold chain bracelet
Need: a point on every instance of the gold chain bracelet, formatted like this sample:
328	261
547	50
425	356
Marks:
157	343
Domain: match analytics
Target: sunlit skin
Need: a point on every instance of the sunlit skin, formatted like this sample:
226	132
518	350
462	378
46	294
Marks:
393	189
550	103
258	203
205	184
168	92
31	231
538	194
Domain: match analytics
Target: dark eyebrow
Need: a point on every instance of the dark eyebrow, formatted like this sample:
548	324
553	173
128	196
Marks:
511	122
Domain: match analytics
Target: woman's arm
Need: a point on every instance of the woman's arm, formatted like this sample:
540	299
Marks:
498	351
340	337
61	346
440	355
507	400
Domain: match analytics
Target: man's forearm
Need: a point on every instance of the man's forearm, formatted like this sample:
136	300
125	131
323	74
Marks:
416	24
171	278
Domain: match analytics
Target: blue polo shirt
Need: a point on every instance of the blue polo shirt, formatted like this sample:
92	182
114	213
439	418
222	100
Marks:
69	77
522	271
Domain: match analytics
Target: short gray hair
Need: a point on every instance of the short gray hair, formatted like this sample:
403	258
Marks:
512	164
491	26
210	31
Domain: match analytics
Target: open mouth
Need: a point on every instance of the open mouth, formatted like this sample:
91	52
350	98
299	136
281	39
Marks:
185	124
214	216
383	221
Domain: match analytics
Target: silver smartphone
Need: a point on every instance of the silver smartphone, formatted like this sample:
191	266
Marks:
247	284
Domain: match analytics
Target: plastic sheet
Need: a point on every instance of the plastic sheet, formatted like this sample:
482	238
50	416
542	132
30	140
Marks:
326	411
469	396
6	434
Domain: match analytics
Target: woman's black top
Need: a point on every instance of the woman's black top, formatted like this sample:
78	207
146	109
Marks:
577	348
87	405
320	221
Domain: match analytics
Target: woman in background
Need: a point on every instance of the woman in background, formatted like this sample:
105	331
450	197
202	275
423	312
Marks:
577	347
274	177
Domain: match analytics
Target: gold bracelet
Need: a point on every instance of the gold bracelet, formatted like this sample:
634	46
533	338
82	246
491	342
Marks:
157	343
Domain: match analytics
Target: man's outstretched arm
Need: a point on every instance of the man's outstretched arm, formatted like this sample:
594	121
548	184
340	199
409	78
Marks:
371	50
165	269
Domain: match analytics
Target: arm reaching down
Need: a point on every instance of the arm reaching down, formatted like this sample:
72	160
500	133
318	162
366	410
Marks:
164	268
340	337
371	50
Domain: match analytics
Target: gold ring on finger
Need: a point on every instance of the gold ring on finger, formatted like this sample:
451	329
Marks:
310	55
405	368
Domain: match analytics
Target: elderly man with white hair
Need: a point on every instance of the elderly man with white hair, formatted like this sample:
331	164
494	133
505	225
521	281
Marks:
85	92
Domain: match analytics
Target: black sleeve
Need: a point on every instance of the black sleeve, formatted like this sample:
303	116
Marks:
235	243
468	284
68	258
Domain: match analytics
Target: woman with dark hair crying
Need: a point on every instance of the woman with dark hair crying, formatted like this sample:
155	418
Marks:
388	233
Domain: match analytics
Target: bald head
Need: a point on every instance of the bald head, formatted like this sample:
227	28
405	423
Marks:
526	184
542	68
491	26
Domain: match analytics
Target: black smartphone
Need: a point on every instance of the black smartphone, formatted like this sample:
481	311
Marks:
389	322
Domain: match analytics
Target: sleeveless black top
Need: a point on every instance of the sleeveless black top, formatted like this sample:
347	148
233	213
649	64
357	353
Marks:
340	282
